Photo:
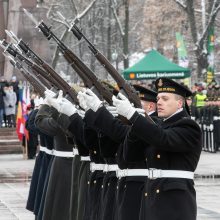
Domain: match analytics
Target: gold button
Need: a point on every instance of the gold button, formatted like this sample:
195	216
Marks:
102	186
94	182
157	191
145	194
116	154
158	156
88	182
108	184
124	186
117	187
94	152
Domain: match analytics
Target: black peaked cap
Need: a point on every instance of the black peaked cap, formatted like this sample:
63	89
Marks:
170	86
146	94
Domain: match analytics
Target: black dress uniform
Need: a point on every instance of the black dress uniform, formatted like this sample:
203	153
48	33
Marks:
32	141
129	189
91	135
172	152
47	155
80	169
57	200
36	171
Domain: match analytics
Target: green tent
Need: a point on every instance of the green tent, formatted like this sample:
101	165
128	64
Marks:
155	65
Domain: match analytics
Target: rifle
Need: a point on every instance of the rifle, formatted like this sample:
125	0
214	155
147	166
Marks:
122	84
50	75
38	86
87	75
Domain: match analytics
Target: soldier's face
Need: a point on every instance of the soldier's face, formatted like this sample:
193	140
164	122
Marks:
148	106
167	104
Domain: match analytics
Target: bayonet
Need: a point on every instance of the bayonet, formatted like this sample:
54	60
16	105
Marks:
32	18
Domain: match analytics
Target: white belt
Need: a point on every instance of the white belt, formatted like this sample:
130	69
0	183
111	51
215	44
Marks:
85	158
63	153
131	172
75	151
95	166
110	167
46	150
42	148
215	118
156	173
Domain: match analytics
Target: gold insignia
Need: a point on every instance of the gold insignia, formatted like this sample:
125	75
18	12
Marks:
160	83
141	95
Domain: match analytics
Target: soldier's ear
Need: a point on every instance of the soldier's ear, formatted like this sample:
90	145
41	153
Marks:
180	103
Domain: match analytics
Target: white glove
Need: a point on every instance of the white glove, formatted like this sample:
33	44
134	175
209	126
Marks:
66	107
82	102
112	110
140	111
48	95
123	106
81	113
92	101
55	102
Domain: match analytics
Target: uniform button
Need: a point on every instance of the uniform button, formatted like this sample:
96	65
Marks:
117	187
145	194
158	156
157	191
94	152
88	182
124	186
146	159
116	154
108	184
102	186
94	182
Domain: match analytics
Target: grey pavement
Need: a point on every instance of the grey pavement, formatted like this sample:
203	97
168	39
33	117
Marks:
15	174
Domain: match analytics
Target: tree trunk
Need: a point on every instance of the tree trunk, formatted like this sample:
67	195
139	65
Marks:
126	35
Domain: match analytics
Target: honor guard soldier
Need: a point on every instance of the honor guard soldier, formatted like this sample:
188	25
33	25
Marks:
172	150
131	176
57	200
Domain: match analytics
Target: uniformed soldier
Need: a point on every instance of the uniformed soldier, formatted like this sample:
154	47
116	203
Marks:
172	149
81	161
131	179
57	201
41	163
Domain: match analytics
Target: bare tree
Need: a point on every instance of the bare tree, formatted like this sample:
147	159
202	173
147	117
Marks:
200	36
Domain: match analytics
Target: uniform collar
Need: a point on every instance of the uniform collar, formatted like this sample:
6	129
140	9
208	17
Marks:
175	117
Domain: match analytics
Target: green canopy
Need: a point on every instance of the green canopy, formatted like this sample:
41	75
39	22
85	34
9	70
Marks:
155	65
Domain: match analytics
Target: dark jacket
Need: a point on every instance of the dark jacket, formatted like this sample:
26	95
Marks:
175	144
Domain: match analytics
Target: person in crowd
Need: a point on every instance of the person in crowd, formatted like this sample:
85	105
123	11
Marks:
10	100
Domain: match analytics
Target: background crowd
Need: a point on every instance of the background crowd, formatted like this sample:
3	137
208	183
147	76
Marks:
9	91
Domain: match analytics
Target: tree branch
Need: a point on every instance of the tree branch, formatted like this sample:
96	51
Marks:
212	17
73	6
181	4
117	19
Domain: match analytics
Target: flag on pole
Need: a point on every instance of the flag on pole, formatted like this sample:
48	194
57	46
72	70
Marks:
19	116
182	56
24	101
210	47
181	49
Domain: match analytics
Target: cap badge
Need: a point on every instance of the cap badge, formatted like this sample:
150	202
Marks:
160	83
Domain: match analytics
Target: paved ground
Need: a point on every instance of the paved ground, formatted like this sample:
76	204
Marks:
15	173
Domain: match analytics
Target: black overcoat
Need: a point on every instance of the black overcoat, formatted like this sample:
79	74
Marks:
175	144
